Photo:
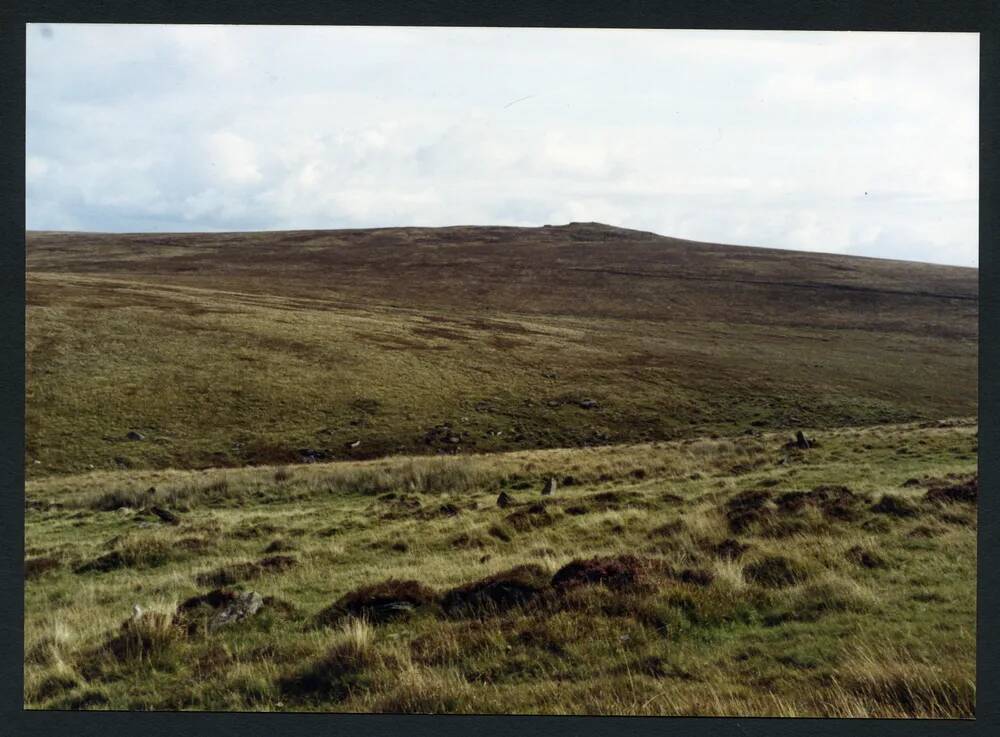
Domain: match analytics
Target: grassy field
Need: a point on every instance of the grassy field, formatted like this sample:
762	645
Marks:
243	349
352	429
834	602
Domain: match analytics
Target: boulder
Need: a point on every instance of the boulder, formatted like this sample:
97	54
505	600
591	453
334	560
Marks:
166	515
549	487
240	608
504	500
133	435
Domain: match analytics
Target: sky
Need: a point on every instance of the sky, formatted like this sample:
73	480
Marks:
859	143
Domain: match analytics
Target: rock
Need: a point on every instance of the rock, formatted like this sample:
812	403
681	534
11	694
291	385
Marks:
801	441
504	500
587	404
454	439
133	435
166	515
243	606
549	487
353	444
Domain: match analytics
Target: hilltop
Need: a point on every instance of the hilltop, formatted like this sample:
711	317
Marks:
227	349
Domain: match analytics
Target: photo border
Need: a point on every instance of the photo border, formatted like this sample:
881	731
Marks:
939	15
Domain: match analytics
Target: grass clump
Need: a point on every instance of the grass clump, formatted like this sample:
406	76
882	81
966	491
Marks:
381	602
499	592
895	506
616	572
775	572
343	671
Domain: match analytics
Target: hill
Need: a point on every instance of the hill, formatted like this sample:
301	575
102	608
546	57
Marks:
497	470
228	349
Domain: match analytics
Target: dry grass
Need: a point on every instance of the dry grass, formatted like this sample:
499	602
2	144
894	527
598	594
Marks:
698	636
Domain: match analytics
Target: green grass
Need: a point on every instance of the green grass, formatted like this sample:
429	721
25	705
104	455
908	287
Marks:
846	640
243	349
332	415
248	384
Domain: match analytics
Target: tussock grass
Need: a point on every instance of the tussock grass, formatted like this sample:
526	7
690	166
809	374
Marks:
696	636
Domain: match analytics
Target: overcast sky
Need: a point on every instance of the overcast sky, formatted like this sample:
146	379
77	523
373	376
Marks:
863	143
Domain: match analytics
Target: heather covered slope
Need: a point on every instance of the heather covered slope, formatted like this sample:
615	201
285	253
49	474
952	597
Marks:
246	348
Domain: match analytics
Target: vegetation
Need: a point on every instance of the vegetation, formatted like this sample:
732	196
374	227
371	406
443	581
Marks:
261	349
643	601
305	472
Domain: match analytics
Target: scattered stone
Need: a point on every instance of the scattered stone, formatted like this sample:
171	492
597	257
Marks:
243	606
504	500
133	435
166	515
218	608
549	487
353	444
587	404
801	442
308	455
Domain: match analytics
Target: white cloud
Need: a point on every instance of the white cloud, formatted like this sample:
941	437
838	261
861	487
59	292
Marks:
854	142
231	158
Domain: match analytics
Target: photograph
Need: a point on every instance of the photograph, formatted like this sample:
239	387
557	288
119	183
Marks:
501	370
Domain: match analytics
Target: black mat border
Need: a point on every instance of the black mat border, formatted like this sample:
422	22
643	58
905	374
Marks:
914	15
